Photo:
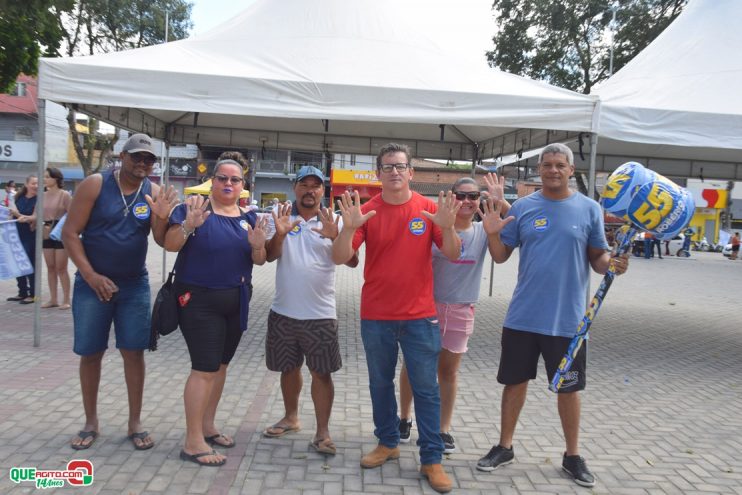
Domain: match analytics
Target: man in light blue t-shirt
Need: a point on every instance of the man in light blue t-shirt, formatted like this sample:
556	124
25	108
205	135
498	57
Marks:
560	235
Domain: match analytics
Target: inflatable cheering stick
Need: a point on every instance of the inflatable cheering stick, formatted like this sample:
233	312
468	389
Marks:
648	202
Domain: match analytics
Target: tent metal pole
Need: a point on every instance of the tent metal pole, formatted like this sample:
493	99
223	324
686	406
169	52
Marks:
591	188
38	258
593	157
475	159
165	182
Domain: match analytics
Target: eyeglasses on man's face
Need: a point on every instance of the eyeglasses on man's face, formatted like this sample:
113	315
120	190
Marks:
140	156
471	196
388	167
234	180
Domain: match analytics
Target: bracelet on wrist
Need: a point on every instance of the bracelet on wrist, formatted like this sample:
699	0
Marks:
186	233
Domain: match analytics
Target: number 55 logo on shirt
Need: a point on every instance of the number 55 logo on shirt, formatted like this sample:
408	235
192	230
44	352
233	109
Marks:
417	226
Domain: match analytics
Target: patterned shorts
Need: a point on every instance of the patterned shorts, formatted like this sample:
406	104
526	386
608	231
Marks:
289	341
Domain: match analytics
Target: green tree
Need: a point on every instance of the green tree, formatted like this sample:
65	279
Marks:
567	42
100	26
28	29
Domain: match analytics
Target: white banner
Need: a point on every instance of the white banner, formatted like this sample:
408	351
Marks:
13	259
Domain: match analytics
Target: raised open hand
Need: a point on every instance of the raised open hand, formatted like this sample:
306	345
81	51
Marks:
282	219
163	202
496	190
256	236
329	227
495	186
196	211
448	206
491	213
350	209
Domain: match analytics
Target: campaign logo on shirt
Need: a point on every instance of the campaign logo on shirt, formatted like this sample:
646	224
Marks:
244	224
141	211
417	226
540	224
296	230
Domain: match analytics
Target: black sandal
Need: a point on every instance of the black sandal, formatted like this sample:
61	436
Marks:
195	458
212	441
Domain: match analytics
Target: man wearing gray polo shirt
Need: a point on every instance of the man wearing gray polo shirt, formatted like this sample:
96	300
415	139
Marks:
302	323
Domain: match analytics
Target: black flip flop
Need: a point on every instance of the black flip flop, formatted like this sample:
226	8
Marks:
212	441
195	458
83	435
141	436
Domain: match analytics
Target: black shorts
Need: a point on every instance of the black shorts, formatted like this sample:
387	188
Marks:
520	355
289	340
735	249
52	244
210	323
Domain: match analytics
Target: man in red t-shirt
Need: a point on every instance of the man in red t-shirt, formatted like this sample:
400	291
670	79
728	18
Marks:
399	227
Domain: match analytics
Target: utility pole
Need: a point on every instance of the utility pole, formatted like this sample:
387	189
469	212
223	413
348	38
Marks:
167	26
614	8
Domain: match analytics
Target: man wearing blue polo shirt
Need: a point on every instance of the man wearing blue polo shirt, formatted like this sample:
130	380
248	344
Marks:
560	235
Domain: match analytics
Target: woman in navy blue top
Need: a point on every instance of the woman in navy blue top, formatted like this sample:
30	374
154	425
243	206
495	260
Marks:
217	245
25	203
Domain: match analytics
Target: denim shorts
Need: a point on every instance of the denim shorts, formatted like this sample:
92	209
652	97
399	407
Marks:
128	310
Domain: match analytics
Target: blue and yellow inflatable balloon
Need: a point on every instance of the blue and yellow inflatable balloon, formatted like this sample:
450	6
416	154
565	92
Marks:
621	186
648	200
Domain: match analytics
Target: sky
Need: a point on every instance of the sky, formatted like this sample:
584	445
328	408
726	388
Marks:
207	14
479	23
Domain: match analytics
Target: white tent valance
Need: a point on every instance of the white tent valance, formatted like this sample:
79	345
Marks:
325	75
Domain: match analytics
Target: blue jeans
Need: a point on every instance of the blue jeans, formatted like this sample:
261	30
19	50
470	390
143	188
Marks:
26	282
128	310
420	341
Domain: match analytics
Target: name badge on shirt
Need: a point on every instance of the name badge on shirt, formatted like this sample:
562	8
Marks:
243	224
296	230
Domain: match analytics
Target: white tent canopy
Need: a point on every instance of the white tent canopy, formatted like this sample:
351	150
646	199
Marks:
677	105
331	75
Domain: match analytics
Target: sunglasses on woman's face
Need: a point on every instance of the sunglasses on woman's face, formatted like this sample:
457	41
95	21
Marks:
471	196
232	180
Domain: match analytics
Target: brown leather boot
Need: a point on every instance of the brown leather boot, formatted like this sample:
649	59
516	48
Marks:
379	456
437	477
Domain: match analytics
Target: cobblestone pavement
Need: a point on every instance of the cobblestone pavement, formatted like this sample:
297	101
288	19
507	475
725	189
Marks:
662	412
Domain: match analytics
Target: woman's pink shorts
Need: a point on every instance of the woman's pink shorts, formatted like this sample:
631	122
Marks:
457	323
